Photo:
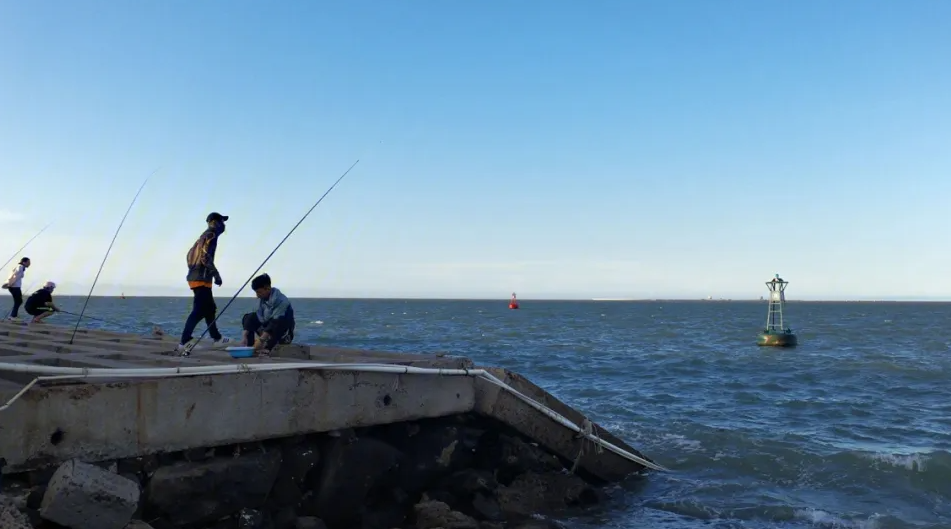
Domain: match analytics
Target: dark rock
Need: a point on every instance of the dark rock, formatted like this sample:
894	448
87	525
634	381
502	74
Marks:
538	524
299	459
138	524
491	525
466	483
510	456
41	477
433	449
352	472
35	498
190	493
253	519
142	466
310	522
435	514
198	454
442	496
487	508
285	518
533	493
10	515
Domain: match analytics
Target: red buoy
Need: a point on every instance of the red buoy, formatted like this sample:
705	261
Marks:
514	303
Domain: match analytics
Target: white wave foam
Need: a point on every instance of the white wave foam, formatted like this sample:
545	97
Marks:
825	519
916	462
318	322
688	445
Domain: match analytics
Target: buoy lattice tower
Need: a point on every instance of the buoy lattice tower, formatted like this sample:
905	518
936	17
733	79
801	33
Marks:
777	333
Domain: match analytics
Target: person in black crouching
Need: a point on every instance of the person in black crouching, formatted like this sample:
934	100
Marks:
40	304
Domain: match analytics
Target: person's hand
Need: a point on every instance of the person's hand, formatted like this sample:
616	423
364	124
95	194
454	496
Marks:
218	280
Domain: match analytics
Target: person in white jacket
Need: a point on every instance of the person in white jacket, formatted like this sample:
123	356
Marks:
15	283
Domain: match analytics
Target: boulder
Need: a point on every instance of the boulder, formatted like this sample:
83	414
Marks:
190	493
433	449
435	514
11	517
510	456
252	519
299	459
309	522
84	496
353	474
533	493
138	524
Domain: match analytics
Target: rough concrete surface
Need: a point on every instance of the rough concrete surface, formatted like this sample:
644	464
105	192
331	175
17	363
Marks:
84	496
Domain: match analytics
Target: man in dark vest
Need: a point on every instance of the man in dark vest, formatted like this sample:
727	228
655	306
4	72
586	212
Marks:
201	272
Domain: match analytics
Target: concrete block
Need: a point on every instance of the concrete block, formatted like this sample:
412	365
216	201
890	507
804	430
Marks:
84	496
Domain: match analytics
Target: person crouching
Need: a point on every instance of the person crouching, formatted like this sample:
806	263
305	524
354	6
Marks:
40	304
273	322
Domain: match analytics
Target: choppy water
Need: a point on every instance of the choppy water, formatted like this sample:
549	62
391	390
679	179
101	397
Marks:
850	429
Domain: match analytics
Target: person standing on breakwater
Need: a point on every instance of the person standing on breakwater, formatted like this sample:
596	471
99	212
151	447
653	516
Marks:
15	284
273	323
40	304
201	272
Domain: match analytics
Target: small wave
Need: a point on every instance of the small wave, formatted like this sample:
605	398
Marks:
915	462
317	322
824	519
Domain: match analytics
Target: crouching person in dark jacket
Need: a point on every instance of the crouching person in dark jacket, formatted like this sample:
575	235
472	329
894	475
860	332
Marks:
273	322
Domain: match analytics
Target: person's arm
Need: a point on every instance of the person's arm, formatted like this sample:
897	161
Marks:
280	310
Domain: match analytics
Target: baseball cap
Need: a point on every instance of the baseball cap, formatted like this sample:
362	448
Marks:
49	285
214	215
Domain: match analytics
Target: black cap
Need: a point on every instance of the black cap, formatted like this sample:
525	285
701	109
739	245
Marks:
216	216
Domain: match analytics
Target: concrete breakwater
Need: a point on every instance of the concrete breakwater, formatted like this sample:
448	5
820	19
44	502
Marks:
112	435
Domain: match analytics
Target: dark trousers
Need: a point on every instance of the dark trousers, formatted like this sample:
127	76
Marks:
203	308
281	330
17	301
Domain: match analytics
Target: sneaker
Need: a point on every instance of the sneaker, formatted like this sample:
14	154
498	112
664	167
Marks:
223	340
186	348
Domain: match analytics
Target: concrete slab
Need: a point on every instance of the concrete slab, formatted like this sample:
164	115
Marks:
502	405
101	419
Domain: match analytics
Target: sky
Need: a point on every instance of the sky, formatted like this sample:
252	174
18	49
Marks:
555	149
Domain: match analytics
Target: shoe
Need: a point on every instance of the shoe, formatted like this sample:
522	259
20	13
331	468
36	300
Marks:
186	348
223	340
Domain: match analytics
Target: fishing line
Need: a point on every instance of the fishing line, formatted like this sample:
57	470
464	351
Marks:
76	328
187	350
117	324
24	246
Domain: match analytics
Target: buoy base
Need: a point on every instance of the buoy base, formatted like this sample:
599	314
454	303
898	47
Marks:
513	305
777	339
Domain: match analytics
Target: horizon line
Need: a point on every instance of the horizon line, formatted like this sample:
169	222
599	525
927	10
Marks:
556	299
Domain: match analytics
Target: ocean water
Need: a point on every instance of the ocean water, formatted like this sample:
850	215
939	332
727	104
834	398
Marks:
848	430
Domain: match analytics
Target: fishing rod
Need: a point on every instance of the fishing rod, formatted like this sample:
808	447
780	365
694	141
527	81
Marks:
187	351
76	328
14	256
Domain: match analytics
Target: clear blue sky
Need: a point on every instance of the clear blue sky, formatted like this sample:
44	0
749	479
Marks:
551	148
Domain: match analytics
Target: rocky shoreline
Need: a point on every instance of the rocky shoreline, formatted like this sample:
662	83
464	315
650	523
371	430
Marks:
461	472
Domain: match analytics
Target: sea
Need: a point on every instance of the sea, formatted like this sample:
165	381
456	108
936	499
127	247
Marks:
851	429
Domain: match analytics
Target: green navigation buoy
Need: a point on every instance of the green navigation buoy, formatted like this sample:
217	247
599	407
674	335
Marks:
776	333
